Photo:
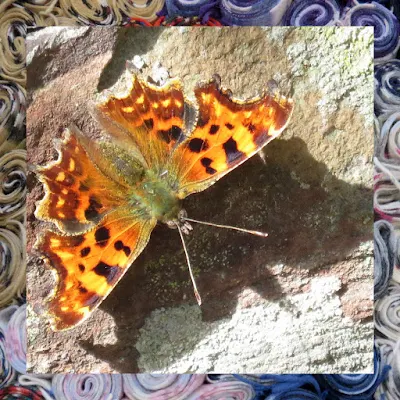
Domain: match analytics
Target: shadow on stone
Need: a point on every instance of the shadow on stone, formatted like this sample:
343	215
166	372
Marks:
313	220
129	43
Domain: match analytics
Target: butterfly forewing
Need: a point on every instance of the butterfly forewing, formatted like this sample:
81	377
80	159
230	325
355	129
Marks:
151	116
227	133
77	194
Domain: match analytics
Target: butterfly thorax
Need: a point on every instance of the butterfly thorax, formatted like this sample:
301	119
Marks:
154	197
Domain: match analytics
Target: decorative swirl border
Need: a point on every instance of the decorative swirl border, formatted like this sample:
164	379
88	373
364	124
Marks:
15	16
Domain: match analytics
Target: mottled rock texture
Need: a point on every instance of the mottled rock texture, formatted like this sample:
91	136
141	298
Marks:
298	301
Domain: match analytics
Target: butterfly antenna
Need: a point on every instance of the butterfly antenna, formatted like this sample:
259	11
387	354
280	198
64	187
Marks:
196	292
257	233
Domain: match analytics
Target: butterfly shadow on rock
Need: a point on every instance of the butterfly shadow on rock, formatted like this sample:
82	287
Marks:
313	219
129	43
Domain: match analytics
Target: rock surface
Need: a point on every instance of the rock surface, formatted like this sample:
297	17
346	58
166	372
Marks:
300	300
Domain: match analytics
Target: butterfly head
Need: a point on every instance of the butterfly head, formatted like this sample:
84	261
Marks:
181	222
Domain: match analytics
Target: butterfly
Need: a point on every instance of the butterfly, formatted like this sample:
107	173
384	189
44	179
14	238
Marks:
105	197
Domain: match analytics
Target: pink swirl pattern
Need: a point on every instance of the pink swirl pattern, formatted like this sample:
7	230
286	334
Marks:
160	387
7	372
387	314
387	170
87	387
232	390
16	340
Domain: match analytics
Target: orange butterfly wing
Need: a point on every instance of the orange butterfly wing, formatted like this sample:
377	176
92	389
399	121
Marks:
77	194
101	235
149	117
90	264
227	133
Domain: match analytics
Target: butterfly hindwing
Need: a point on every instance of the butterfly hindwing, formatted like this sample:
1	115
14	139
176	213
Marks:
227	133
89	265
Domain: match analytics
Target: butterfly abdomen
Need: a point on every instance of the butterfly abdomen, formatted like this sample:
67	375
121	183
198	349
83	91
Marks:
154	197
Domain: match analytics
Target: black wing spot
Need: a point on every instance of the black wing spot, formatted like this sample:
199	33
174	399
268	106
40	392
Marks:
81	267
229	126
176	132
127	250
93	210
82	289
251	127
83	187
196	145
108	271
214	129
102	235
172	134
206	162
85	251
231	150
149	123
118	245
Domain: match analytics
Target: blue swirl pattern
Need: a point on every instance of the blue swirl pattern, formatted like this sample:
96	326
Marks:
312	13
386	27
252	12
297	394
185	8
354	386
387	87
390	353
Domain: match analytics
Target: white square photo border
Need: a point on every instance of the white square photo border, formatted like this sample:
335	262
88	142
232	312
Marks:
299	301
